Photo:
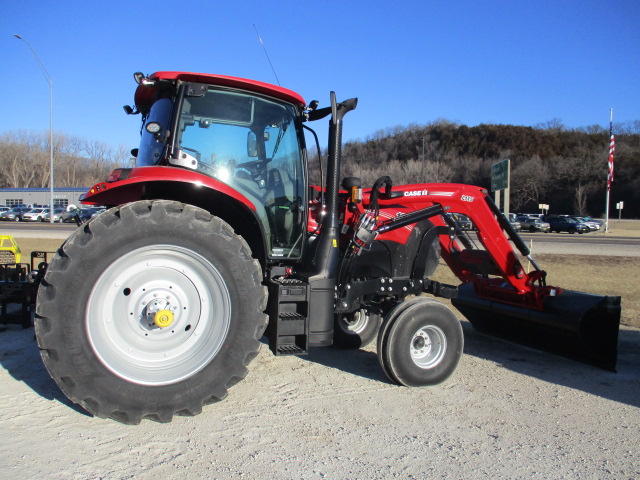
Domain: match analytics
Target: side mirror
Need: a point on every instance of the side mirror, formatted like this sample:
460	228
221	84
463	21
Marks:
252	145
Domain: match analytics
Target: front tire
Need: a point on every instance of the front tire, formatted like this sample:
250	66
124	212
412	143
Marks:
355	330
420	344
152	309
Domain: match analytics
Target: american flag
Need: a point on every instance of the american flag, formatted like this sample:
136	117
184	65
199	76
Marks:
612	150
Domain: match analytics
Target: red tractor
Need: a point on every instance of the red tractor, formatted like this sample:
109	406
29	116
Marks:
216	237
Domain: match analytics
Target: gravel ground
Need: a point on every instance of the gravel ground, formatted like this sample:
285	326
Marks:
507	412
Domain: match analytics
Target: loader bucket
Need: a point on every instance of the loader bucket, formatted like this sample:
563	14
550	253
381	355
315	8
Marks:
577	325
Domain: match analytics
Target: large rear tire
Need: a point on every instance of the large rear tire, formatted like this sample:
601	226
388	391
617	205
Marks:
151	309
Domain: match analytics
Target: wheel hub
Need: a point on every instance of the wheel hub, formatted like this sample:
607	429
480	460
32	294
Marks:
163	318
158	314
428	346
355	323
419	342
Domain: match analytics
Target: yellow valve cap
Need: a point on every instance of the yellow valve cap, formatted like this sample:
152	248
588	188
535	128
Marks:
163	318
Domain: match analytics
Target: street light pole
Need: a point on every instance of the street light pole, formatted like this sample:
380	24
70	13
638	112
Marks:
50	82
422	163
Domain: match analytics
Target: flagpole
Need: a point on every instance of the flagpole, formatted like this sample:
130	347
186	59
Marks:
606	223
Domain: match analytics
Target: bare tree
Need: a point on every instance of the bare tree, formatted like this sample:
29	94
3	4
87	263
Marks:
25	160
580	200
529	180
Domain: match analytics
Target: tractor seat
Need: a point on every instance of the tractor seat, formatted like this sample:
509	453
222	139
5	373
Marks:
280	194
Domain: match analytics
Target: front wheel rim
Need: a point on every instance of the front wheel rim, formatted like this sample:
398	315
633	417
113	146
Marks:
158	315
355	323
428	346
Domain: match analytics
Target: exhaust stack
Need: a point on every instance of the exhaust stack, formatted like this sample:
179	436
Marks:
322	271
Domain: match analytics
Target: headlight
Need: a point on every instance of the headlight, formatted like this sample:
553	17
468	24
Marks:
153	127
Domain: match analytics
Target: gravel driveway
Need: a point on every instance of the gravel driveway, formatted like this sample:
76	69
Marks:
507	412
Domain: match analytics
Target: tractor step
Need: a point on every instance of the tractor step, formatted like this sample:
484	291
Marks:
288	310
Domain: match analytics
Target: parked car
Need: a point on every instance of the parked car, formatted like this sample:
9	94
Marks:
532	224
98	211
517	226
57	214
87	213
4	209
593	226
594	220
15	214
70	215
561	223
463	222
83	213
34	215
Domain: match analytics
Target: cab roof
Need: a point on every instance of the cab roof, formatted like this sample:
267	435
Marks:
234	82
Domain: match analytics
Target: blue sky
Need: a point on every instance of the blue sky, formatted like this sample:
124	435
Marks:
472	62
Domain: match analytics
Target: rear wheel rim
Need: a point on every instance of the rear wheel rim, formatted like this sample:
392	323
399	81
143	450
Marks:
158	315
428	346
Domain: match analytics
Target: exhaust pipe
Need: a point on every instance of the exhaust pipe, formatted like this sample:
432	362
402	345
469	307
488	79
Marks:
322	270
572	324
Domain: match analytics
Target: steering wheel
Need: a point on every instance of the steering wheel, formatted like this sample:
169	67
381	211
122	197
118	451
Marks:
254	170
251	166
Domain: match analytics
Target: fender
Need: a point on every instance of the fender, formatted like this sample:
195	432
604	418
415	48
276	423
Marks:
127	185
173	183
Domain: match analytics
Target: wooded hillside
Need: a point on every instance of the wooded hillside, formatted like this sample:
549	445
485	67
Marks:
566	169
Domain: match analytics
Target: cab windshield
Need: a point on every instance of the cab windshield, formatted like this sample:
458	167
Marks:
250	143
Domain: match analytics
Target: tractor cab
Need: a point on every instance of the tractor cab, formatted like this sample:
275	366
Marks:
245	139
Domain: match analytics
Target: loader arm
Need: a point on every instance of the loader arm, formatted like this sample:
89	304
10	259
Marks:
484	257
497	295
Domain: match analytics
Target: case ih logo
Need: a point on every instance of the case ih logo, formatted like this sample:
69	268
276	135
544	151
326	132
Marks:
416	193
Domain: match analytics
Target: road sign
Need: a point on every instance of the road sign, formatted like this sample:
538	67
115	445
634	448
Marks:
500	175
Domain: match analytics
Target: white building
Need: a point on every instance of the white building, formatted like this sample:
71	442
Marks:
41	196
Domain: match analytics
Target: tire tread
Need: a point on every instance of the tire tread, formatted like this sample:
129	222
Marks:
51	332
